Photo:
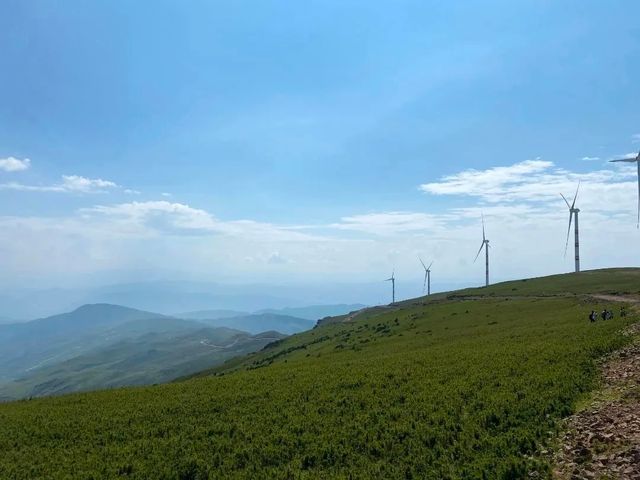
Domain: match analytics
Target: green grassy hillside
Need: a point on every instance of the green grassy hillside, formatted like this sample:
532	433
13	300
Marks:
454	387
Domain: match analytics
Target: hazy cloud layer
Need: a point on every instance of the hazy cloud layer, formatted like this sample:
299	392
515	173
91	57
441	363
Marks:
526	221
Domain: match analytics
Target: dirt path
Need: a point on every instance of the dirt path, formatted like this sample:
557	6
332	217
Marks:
633	300
603	440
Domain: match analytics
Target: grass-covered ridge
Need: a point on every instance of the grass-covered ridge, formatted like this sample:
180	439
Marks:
459	388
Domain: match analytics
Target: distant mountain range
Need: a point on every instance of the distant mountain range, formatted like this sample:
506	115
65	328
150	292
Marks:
316	312
264	321
284	320
103	345
30	345
312	312
169	297
211	314
146	359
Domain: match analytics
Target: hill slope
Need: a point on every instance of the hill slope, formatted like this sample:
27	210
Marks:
262	322
160	356
468	384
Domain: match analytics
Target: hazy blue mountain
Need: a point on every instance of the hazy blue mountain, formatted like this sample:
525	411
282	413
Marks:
155	296
150	358
211	314
168	297
261	322
29	345
316	312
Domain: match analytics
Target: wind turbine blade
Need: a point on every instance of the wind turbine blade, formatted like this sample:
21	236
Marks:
474	260
422	263
625	160
430	266
424	285
565	201
638	224
483	237
566	245
576	195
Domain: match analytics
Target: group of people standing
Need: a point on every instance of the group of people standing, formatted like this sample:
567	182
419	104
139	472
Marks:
606	314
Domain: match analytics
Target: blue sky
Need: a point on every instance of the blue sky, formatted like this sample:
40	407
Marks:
312	140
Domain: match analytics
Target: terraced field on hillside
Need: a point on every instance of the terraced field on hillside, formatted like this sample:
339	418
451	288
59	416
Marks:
467	385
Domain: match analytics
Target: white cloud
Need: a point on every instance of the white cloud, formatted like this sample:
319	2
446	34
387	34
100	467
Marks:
537	181
526	221
491	183
69	184
164	217
590	159
76	183
12	164
160	215
130	191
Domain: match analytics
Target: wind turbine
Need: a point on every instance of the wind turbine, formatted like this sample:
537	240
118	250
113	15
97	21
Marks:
573	213
427	277
485	245
392	279
631	160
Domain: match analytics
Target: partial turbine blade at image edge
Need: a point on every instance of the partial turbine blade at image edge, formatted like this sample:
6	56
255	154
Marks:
566	246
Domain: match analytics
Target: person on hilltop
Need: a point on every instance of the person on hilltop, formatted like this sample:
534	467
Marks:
593	315
603	315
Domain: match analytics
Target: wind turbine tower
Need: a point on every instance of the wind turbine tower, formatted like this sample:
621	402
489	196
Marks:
631	160
427	277
573	213
392	279
485	245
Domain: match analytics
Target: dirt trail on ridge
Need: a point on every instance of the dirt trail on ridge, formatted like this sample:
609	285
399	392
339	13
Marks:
603	440
633	300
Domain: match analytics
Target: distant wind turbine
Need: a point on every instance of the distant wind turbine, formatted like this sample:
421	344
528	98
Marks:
485	245
631	160
573	213
427	277
392	279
